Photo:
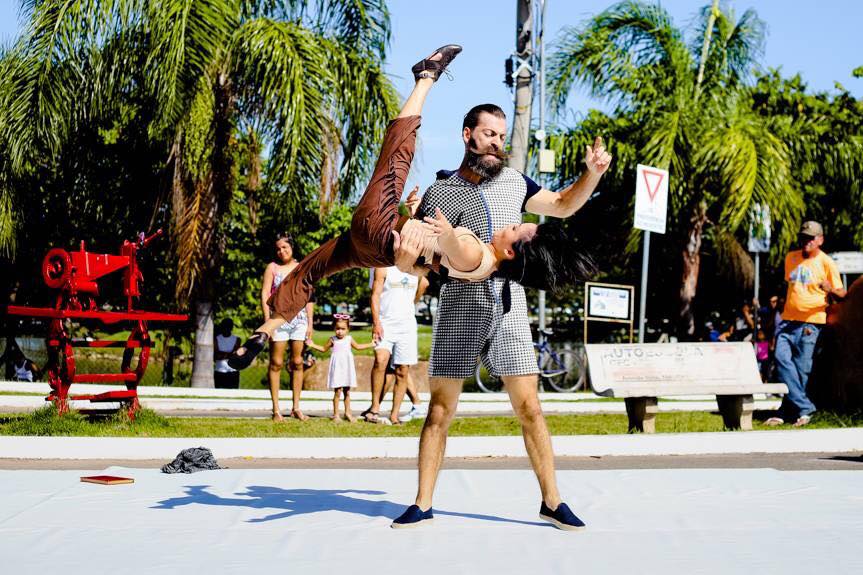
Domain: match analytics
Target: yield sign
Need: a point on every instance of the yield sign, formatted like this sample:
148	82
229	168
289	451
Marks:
651	199
652	179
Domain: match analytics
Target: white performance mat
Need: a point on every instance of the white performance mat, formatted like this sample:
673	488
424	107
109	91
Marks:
323	521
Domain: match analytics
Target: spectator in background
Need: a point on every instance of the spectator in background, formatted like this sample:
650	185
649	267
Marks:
762	354
394	295
744	324
23	368
812	277
291	335
226	343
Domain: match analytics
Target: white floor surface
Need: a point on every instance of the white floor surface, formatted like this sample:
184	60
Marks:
324	521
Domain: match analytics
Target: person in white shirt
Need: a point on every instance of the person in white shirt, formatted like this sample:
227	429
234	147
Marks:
394	295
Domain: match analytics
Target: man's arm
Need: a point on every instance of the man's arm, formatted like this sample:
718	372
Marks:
569	200
421	288
833	285
377	290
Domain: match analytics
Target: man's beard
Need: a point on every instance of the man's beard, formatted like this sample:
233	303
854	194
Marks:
480	165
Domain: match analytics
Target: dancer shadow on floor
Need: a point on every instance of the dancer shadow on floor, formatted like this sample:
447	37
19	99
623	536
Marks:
304	501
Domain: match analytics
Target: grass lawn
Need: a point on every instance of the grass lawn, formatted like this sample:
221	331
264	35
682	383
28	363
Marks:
150	424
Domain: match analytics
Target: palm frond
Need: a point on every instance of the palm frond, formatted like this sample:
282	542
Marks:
186	38
621	54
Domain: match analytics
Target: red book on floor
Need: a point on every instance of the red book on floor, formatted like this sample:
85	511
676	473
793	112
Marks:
107	479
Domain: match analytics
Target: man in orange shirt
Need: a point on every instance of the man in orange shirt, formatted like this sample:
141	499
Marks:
811	275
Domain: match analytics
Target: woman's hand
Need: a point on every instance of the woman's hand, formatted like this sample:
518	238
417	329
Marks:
439	225
412	202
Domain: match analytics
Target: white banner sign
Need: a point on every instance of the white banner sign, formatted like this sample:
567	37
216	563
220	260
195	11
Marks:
848	262
651	199
652	364
608	302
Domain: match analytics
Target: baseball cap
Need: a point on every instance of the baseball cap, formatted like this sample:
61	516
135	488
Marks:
811	228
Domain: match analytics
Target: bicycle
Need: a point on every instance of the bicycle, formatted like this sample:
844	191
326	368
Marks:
562	369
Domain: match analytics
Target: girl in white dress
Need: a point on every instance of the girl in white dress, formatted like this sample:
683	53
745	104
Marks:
343	374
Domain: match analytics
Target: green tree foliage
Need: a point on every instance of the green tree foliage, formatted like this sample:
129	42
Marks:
685	105
303	78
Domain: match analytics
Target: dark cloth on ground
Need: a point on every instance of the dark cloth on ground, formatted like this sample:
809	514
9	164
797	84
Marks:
192	460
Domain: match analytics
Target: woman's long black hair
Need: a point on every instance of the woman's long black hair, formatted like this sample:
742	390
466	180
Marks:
551	260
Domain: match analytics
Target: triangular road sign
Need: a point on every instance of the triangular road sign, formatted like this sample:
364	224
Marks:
653	180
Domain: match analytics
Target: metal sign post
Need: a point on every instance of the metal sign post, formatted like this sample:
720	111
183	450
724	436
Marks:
642	296
651	207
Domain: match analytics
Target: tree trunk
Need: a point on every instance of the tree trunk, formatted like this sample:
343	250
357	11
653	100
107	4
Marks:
211	244
523	86
691	266
202	368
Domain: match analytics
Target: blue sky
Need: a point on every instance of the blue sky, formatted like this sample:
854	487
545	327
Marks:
820	40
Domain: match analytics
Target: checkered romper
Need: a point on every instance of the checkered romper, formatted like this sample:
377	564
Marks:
470	322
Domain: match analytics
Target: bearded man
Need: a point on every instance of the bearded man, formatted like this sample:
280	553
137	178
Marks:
488	320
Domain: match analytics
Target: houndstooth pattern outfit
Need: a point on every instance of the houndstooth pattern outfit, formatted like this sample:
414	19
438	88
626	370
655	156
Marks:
470	322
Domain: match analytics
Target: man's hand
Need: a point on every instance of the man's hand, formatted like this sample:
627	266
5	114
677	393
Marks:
406	248
310	331
412	202
596	158
377	333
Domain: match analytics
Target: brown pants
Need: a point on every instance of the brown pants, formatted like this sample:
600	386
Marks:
369	243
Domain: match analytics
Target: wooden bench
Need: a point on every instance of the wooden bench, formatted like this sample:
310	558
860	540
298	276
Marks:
641	373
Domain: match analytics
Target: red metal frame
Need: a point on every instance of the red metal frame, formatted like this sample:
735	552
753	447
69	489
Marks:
74	277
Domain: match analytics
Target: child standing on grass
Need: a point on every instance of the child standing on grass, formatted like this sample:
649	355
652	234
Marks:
343	374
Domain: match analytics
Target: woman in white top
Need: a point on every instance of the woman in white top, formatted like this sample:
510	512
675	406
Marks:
292	333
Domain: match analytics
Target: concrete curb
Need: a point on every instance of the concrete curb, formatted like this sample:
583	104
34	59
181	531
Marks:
166	405
787	441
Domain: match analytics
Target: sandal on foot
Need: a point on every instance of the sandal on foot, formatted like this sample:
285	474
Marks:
372	417
434	68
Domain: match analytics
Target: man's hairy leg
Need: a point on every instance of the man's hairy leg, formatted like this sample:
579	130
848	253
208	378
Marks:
523	395
378	376
444	400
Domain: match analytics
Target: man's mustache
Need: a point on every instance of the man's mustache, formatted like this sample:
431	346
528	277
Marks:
499	154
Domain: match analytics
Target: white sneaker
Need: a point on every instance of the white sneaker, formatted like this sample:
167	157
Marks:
416	412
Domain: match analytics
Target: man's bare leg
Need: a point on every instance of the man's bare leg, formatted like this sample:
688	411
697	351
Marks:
403	373
379	374
411	390
442	407
524	398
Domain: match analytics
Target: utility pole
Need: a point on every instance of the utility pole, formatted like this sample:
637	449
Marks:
540	135
523	84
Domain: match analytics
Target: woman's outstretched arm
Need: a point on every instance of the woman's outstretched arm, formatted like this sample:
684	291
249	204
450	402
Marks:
465	254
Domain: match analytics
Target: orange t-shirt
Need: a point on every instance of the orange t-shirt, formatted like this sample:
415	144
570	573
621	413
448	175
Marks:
806	301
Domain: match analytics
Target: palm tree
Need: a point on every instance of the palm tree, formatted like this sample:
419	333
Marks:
684	106
302	80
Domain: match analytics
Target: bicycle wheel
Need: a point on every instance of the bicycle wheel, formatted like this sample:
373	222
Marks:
563	370
486	381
